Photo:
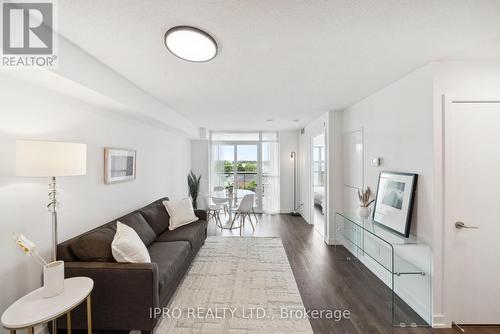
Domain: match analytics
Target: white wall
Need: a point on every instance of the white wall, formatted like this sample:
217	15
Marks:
289	142
397	126
31	112
200	162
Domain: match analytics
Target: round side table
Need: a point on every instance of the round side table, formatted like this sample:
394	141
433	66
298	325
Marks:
33	309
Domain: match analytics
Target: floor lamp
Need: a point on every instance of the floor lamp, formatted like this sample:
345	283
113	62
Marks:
293	157
50	159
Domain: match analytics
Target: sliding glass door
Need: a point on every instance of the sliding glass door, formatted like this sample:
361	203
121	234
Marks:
222	166
247	161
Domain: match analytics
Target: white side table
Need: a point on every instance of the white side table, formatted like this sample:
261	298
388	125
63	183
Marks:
33	309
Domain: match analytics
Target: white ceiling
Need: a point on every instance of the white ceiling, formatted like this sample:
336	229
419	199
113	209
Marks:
278	59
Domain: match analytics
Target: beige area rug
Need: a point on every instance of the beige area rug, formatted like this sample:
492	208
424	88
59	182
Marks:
237	285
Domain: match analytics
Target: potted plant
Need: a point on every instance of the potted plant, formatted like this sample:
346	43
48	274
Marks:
230	188
364	202
194	187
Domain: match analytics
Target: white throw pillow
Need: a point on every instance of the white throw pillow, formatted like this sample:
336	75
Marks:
181	213
127	246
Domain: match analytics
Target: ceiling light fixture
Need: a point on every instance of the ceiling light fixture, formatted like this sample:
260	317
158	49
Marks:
191	44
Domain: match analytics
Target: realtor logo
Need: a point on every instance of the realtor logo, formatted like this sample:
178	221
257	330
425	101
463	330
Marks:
27	34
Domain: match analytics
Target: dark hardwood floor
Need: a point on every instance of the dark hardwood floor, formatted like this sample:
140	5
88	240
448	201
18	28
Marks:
326	283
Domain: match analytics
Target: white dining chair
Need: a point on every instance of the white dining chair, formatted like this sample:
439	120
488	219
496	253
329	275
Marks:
244	210
220	199
212	209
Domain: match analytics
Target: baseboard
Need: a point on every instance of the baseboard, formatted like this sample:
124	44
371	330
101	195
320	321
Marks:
438	321
332	241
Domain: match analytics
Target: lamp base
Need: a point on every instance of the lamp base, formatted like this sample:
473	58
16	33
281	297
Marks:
295	214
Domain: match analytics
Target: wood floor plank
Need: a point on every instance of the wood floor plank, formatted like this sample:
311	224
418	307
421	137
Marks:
326	283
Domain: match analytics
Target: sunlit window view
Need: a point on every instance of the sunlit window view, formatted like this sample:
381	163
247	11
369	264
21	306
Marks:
244	161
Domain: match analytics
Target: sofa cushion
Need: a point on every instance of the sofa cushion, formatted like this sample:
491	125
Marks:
140	225
181	212
127	247
195	233
95	246
157	217
170	258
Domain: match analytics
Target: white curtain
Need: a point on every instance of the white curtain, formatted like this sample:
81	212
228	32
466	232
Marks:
270	177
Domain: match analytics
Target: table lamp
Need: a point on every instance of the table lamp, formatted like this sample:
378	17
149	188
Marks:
50	159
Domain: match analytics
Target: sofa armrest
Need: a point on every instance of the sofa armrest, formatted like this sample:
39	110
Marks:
123	295
201	214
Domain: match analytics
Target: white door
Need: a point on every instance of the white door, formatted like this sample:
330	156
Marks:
472	211
319	183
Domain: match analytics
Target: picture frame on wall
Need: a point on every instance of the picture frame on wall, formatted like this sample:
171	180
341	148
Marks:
394	202
119	165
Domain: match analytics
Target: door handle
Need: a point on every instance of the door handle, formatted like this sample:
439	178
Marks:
461	225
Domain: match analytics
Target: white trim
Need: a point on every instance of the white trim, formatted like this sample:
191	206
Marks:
438	321
439	254
311	177
438	212
333	241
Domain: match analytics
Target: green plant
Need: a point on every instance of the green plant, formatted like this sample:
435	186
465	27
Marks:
194	186
252	185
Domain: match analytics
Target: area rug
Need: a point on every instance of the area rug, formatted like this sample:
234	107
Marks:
237	285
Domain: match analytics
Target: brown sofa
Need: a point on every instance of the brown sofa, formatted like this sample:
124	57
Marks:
124	293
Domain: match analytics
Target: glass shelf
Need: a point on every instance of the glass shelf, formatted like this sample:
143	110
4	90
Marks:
406	260
403	263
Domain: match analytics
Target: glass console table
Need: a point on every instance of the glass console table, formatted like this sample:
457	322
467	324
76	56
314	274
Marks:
404	264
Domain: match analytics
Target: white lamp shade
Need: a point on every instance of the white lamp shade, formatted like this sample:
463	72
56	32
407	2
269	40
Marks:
47	159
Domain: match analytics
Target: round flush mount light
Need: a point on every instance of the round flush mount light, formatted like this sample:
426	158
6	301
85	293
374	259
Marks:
191	44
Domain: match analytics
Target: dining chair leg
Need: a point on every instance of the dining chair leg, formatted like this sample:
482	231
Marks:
218	222
234	218
251	222
242	224
255	215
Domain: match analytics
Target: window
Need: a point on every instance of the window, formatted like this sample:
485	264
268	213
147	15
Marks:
249	161
319	166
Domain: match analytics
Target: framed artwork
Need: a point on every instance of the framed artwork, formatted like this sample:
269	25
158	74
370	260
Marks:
394	202
119	165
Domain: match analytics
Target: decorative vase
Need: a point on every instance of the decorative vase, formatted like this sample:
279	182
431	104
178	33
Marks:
53	279
364	212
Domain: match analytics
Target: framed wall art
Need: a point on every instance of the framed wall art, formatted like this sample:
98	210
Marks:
119	165
394	201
